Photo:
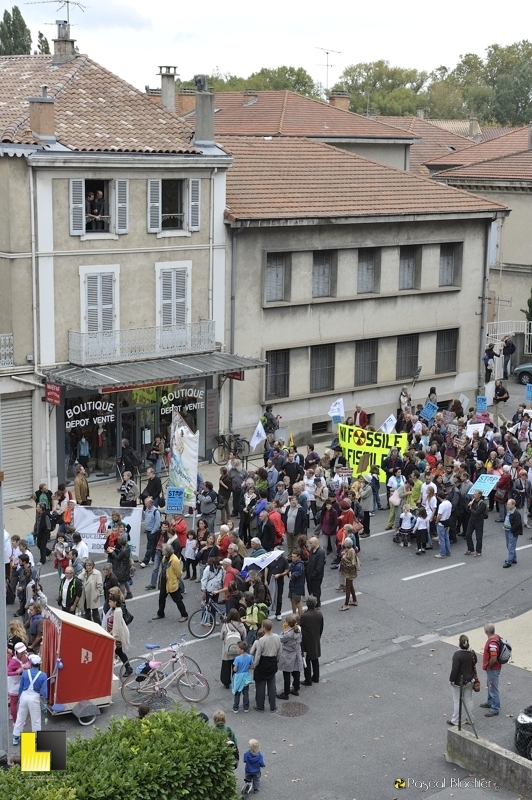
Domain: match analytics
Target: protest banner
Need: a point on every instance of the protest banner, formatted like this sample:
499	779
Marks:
364	449
475	426
528	395
184	448
484	484
429	411
447	416
93	525
464	402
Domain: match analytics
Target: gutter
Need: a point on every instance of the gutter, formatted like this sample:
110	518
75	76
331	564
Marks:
235	233
211	243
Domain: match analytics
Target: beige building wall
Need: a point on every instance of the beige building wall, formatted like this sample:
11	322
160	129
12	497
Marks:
395	155
303	322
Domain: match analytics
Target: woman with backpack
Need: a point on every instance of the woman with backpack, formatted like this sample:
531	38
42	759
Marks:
233	631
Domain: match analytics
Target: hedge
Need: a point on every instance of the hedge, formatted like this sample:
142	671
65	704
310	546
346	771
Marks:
167	755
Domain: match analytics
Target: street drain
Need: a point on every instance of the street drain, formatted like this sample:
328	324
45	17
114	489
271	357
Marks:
292	709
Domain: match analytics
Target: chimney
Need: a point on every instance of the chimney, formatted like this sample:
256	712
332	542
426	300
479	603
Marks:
168	76
42	118
204	133
64	47
474	129
420	113
530	135
186	102
339	100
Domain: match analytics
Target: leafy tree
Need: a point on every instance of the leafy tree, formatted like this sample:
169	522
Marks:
528	311
43	46
386	89
296	79
445	101
513	96
15	36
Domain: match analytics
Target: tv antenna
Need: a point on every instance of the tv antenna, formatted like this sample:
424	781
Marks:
326	50
60	4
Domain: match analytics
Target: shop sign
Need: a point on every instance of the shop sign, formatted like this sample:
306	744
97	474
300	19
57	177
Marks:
99	412
186	396
54	394
237	375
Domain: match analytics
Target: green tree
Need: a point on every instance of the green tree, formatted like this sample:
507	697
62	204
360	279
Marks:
296	79
43	46
15	36
513	96
445	100
385	89
528	311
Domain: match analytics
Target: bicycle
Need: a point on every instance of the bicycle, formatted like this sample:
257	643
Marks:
153	678
135	662
232	443
203	621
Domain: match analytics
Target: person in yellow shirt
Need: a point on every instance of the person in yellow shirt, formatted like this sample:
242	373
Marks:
169	578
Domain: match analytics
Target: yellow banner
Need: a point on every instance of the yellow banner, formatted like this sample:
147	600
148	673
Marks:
365	449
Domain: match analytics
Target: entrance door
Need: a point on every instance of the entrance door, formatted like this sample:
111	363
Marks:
137	425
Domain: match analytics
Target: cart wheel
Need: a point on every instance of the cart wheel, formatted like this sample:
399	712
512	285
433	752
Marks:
135	691
193	687
86	720
201	623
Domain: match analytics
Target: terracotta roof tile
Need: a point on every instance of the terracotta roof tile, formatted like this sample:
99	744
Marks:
515	167
288	178
433	142
94	109
504	145
461	127
285	113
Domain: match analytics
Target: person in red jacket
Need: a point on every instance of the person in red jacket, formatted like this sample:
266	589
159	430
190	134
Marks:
360	418
502	491
277	522
180	526
223	541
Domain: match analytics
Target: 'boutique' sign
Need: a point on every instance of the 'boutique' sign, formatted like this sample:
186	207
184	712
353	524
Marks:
101	412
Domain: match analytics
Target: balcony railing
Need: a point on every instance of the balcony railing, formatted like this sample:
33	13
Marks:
140	344
6	350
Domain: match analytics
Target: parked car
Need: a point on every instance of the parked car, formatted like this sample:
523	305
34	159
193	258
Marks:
523	733
523	373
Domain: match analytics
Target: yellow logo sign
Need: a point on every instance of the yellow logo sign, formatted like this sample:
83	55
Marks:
43	751
400	783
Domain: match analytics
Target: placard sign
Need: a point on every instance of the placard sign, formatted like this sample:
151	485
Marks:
528	395
484	484
429	411
174	500
482	403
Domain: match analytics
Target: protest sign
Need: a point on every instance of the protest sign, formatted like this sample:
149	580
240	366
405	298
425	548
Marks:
528	395
337	408
92	523
484	484
429	411
482	403
389	424
447	416
364	449
475	426
174	500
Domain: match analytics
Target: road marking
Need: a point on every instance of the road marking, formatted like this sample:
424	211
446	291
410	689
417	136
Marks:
523	547
432	571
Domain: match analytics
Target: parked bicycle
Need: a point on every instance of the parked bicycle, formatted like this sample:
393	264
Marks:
203	621
158	677
138	661
232	443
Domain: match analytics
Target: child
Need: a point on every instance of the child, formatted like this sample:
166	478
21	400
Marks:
190	555
407	524
61	550
421	528
219	725
241	677
253	762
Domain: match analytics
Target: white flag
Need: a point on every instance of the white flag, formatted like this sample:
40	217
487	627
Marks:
258	437
389	424
337	408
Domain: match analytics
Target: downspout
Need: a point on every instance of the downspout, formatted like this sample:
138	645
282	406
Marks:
235	233
483	307
211	246
36	354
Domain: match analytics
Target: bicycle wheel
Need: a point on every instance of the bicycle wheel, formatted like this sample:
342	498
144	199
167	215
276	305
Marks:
135	692
220	454
242	448
134	663
188	663
201	623
192	686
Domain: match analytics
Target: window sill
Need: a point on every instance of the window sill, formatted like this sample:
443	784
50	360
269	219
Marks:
87	237
357	297
172	234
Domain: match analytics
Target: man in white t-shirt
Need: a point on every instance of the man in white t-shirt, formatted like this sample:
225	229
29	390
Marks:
80	546
428	482
445	510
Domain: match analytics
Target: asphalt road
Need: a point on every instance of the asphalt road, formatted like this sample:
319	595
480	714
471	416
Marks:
380	710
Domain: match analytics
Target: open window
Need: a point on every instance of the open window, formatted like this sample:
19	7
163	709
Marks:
99	206
174	205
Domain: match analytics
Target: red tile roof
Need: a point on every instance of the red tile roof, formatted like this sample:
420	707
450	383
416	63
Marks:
515	167
433	142
289	178
94	109
462	127
284	113
505	145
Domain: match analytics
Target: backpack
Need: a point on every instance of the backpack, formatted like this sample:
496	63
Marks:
240	582
232	639
486	359
505	651
231	742
263	612
136	458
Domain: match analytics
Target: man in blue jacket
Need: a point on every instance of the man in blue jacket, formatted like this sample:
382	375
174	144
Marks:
296	584
33	685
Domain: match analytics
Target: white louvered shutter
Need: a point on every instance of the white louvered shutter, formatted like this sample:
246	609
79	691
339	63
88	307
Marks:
275	277
92	284
173	297
154	206
77	206
194	204
122	203
446	265
100	302
107	301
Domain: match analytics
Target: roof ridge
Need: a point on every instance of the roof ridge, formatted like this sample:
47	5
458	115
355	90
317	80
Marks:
502	157
486	142
283	111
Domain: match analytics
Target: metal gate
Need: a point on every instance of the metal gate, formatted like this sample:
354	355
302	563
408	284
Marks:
17	448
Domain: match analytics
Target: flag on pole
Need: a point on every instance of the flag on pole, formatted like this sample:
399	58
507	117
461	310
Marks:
258	436
291	442
337	408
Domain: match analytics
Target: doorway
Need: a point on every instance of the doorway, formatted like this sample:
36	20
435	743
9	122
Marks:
137	425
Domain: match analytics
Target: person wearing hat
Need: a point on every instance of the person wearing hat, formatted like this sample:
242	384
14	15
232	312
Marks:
16	666
366	501
33	685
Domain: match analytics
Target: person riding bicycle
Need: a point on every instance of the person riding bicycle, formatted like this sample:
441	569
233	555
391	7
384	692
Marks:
212	581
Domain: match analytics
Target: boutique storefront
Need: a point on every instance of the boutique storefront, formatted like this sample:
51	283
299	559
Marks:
100	408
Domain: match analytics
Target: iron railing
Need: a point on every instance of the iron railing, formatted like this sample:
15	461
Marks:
140	344
6	350
496	331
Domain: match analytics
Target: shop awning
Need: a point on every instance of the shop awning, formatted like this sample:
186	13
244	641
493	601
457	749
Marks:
118	377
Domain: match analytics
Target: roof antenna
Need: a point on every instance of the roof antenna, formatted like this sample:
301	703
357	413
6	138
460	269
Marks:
60	4
327	50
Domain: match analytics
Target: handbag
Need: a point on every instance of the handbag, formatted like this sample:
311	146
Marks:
127	615
395	499
500	496
162	500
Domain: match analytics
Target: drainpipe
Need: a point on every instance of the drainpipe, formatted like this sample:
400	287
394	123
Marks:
36	354
484	305
211	246
235	233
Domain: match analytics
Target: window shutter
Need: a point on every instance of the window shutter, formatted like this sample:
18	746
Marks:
122	202
180	281
93	295
275	276
321	275
77	206
173	297
366	272
194	210
446	265
100	302
154	206
107	301
407	268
